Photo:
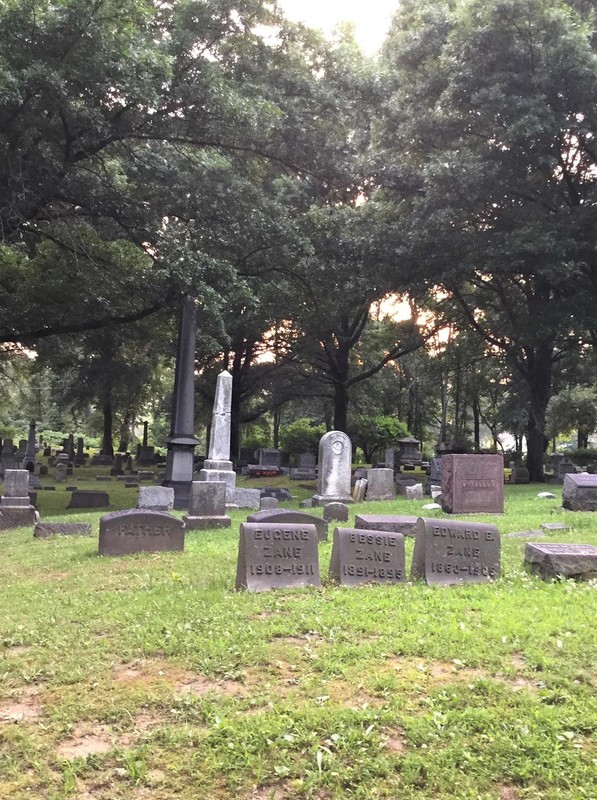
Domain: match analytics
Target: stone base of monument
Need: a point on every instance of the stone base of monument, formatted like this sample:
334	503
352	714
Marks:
578	561
182	492
323	500
205	523
88	499
245	498
17	516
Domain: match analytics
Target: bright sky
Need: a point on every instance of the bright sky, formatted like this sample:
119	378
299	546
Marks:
371	17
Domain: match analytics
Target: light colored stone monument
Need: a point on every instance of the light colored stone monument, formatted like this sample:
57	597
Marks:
207	506
15	506
334	465
218	466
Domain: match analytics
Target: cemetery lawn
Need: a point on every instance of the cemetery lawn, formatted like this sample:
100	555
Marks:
149	678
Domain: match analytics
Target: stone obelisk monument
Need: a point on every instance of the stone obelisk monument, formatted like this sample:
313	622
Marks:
218	467
182	442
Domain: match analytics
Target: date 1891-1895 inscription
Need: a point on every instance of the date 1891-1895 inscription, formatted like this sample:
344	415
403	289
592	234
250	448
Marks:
367	557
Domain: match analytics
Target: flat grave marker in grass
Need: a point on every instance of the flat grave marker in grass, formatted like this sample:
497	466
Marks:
454	551
137	531
473	484
568	560
277	556
360	556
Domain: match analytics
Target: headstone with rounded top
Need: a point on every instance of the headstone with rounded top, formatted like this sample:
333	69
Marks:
333	476
335	512
139	531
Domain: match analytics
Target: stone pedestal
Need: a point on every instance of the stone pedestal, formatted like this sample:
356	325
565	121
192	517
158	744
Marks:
15	505
207	506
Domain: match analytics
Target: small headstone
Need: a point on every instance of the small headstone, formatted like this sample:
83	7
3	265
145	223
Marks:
367	557
414	492
156	498
43	471
82	498
402	483
546	495
554	526
473	484
60	472
268	502
44	530
577	561
286	516
404	523
524	535
452	551
125	532
579	492
277	556
335	512
360	489
519	475
380	484
207	506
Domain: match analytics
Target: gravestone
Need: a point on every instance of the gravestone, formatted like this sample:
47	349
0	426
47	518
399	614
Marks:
80	454
277	556
404	523
306	461
453	551
44	530
403	482
60	472
333	475
410	455
218	466
360	490
414	492
519	475
244	498
126	532
335	512
305	468
269	457
267	503
579	492
156	498
380	484
473	484
435	474
16	509
84	498
288	517
207	506
367	557
30	450
578	561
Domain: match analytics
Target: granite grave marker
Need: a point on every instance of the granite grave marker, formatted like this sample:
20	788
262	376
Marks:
360	556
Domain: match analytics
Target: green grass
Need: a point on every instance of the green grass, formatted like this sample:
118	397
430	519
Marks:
180	687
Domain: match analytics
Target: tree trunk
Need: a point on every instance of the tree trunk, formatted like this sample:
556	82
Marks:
340	406
107	447
539	383
125	430
277	415
476	423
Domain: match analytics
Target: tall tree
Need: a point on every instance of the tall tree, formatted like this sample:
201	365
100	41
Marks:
489	156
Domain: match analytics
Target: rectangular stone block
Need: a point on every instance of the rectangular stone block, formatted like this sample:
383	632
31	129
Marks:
577	561
16	483
208	499
44	530
156	498
126	532
83	498
360	556
579	492
473	484
380	484
452	551
277	556
403	523
17	517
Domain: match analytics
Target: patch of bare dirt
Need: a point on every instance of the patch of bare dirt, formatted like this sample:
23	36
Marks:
508	793
17	650
142	724
281	792
199	685
25	707
396	742
519	662
56	576
351	696
86	740
181	681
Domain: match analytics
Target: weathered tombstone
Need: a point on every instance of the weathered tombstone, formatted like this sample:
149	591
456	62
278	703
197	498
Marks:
277	556
269	457
16	509
335	512
305	468
145	453
380	484
565	467
473	484
60	471
30	449
453	551
126	532
44	530
410	455
207	506
415	492
218	466
267	503
578	561
580	492
367	557
435	474
519	475
333	476
244	498
287	516
360	489
392	459
84	498
156	498
403	482
80	454
117	469
306	461
403	523
281	493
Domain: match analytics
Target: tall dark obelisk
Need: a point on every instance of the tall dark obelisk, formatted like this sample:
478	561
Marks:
182	442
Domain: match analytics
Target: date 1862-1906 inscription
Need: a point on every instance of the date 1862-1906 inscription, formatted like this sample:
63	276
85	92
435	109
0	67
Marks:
456	552
277	556
360	556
